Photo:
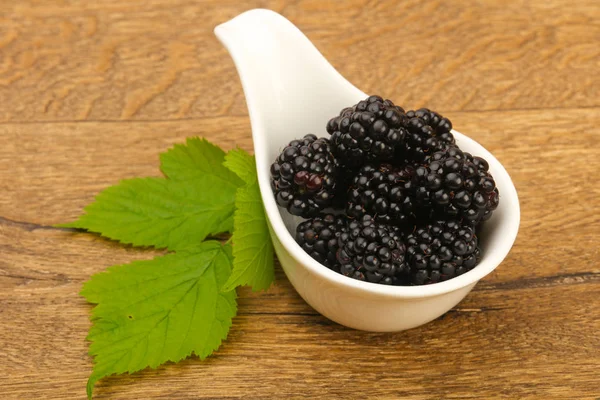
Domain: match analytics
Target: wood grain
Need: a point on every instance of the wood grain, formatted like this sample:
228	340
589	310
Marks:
525	338
91	94
158	59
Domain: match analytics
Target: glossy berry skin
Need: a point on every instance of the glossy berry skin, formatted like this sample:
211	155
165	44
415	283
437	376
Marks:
427	132
440	251
318	237
456	185
370	131
440	125
385	192
303	177
372	252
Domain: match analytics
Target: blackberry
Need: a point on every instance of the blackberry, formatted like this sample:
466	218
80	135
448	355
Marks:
385	193
319	238
456	185
372	252
440	251
303	177
428	132
370	131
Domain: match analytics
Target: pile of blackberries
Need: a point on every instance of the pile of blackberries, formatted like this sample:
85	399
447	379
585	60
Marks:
389	198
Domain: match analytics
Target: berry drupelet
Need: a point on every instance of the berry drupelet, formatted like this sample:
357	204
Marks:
303	177
384	192
428	132
372	252
319	238
440	125
441	251
456	185
370	131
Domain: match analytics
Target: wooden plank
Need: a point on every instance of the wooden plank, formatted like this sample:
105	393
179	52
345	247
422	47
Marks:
59	167
528	339
58	172
37	257
159	60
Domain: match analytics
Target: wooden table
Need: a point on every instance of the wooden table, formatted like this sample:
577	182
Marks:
92	92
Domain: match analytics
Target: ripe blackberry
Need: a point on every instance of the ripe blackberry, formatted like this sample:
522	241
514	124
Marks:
370	131
428	132
440	251
319	238
303	177
372	252
456	185
385	193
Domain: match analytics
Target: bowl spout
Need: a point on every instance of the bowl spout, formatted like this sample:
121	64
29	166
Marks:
284	76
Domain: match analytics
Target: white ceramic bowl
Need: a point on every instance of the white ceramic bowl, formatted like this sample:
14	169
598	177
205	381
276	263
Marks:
292	90
380	308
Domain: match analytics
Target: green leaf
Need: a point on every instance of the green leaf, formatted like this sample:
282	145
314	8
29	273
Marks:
253	249
195	159
242	163
160	212
197	200
151	312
